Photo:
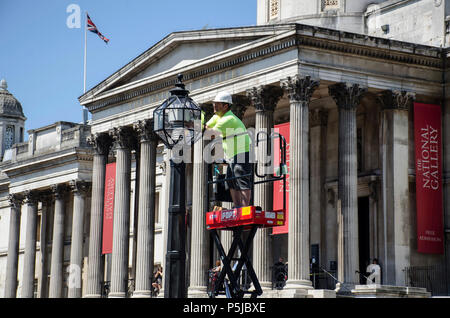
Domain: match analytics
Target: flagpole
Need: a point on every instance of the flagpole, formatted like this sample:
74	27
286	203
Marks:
85	114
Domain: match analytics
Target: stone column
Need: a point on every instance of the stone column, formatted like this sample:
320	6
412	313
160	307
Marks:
124	141
347	97
146	216
30	245
101	144
13	246
200	236
299	90
264	99
45	222
57	260
79	189
395	189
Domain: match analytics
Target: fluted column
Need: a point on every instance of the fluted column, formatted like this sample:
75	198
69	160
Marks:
395	185
101	144
57	260
299	90
13	246
123	142
264	99
146	216
45	218
79	189
200	236
347	97
29	258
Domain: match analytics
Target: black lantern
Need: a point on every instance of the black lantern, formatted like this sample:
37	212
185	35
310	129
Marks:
178	120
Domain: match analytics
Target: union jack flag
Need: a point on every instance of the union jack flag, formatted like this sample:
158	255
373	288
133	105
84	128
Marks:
91	27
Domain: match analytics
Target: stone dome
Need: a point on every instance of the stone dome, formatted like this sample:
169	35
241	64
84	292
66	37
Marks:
9	105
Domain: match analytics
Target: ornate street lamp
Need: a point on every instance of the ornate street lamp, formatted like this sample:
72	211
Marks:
177	122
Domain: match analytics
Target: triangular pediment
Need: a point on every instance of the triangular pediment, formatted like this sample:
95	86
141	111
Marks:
179	50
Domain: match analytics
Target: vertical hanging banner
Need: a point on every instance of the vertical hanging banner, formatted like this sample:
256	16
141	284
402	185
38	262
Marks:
284	130
428	144
108	208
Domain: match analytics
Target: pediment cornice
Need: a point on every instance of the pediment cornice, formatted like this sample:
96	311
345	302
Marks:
286	37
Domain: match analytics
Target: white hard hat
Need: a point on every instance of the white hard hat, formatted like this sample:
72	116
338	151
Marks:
223	97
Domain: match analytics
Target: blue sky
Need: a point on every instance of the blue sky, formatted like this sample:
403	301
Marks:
42	58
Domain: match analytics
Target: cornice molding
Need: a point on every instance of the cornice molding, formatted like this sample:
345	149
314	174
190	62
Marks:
305	36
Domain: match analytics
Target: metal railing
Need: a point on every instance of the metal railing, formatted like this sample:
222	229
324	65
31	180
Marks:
434	278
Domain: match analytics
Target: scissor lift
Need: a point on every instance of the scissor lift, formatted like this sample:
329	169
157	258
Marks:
249	218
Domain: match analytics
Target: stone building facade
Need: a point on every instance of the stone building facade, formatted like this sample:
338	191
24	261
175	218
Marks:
348	98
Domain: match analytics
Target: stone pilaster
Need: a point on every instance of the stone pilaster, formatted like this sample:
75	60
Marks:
299	90
395	185
146	217
57	260
79	189
200	236
317	166
30	245
13	246
124	140
101	144
264	99
347	97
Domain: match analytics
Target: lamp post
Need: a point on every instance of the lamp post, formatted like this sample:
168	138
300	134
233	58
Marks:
177	123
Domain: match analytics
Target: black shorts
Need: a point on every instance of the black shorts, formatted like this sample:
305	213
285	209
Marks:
241	168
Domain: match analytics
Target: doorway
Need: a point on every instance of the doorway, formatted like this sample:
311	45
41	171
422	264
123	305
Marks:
363	236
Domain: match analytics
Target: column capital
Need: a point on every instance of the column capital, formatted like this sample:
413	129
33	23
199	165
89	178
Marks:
396	99
347	95
100	142
15	200
240	105
144	130
318	117
58	190
30	197
264	97
124	137
299	88
79	186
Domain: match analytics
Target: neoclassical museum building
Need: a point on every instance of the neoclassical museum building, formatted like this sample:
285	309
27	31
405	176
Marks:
359	90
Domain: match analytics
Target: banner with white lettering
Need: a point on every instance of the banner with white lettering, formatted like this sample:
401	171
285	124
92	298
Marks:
108	208
428	144
284	130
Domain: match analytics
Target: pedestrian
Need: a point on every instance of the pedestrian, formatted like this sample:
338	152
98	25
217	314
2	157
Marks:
375	272
157	280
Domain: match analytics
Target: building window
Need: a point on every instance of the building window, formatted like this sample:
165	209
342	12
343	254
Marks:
9	137
21	134
157	218
274	9
330	5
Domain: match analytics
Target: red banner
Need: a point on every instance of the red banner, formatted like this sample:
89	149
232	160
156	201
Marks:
428	142
108	209
284	130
